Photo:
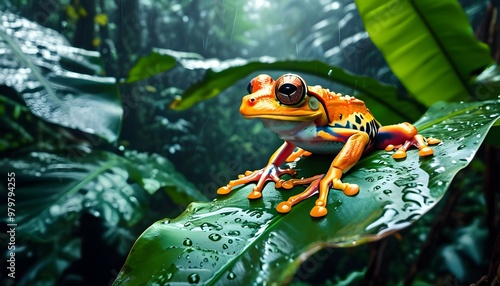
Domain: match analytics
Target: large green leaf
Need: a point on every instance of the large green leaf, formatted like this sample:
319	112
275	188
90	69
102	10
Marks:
59	83
235	241
52	190
220	75
428	44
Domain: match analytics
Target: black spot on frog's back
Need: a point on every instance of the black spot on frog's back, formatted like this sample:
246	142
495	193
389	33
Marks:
358	119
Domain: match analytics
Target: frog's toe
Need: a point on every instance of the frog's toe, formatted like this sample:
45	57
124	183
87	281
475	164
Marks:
279	184
286	184
284	207
399	154
254	195
425	151
433	141
296	182
351	190
389	147
224	190
318	211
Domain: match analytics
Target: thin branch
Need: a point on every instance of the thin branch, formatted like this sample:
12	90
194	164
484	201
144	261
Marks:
428	247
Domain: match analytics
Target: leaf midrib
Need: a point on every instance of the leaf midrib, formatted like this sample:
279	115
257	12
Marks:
441	47
25	60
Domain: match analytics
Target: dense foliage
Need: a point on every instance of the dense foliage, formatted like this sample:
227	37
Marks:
87	90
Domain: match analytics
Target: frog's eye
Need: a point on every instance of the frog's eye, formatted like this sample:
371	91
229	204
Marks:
290	89
249	87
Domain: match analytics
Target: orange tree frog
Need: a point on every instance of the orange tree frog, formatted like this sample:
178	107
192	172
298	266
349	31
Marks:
315	120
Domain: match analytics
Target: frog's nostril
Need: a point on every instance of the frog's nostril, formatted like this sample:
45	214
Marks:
251	100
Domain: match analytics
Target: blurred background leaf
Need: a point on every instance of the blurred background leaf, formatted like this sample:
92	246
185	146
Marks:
435	57
150	65
58	82
54	191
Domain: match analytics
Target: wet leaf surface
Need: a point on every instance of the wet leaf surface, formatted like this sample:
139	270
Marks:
235	241
59	83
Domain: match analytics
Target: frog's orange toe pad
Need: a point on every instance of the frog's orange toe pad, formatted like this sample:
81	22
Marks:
351	190
287	185
318	211
254	195
223	190
279	184
389	147
425	151
284	207
433	141
399	154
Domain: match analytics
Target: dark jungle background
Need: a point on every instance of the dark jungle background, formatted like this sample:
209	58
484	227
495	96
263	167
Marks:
175	157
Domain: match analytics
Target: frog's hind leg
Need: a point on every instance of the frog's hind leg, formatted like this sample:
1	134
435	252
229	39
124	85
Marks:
401	137
418	141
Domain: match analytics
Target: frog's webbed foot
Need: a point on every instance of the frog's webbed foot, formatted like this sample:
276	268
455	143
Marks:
321	184
418	141
268	173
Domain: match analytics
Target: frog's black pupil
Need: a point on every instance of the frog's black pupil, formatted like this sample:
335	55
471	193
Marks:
249	87
287	88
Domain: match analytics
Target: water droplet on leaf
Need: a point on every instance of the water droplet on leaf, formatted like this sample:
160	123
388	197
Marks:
233	233
193	278
231	275
187	242
214	237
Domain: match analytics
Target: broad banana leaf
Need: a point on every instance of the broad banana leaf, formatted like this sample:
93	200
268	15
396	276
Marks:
429	45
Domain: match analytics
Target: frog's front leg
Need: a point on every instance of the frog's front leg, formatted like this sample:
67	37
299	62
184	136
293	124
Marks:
268	173
348	156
